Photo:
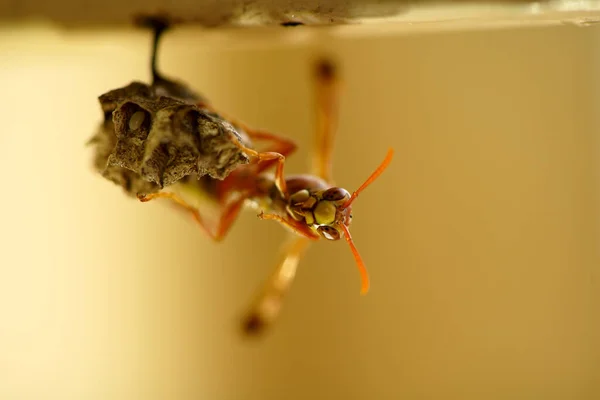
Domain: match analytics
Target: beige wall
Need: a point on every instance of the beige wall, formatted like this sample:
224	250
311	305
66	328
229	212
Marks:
481	239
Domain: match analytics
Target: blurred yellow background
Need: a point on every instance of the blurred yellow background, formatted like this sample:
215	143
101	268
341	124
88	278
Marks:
482	238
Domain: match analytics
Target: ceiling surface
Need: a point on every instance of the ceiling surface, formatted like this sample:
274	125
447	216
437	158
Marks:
252	13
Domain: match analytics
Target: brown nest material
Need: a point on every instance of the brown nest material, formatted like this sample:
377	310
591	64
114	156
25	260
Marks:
155	135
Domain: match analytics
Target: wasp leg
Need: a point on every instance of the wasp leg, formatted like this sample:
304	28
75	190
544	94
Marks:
227	217
268	156
292	224
268	304
182	203
327	98
283	146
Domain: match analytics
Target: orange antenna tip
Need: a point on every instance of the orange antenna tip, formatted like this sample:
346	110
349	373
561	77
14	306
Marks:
362	270
365	288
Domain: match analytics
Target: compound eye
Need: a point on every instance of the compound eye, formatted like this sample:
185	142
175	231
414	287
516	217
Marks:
329	232
336	194
299	197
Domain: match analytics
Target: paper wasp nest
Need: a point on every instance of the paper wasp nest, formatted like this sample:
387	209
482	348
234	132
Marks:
155	135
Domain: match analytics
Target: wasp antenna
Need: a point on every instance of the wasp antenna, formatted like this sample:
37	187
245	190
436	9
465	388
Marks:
362	270
370	179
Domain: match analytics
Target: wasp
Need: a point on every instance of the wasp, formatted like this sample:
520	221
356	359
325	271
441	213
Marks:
310	206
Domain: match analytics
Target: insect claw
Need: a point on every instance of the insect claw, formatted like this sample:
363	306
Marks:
143	198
